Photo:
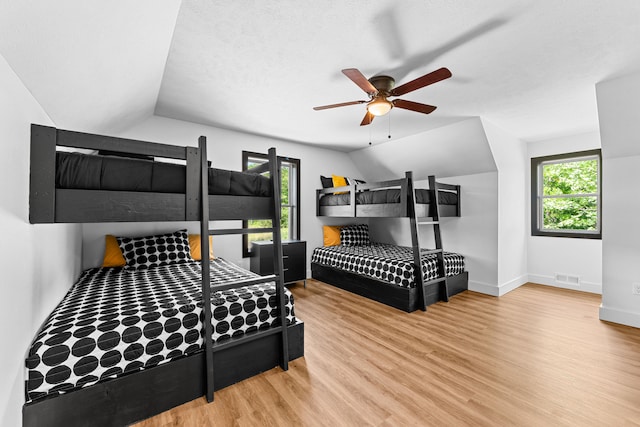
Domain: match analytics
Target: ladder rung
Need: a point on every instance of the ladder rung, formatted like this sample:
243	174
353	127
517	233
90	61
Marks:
240	231
242	283
432	251
251	336
428	222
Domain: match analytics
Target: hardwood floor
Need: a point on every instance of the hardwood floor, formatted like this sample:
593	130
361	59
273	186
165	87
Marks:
537	356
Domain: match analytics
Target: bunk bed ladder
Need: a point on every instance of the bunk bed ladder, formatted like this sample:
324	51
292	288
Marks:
415	241
274	172
435	203
205	232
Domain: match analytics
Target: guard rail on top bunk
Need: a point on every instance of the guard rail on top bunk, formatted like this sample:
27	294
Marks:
356	210
48	204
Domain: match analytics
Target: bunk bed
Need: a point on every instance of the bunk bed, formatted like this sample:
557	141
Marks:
421	277
114	379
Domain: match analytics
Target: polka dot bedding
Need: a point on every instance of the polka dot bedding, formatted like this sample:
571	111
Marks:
385	262
115	321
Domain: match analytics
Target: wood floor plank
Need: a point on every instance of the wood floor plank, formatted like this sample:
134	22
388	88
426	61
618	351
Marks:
535	356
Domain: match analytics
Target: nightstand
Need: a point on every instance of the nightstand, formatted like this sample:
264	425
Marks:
294	259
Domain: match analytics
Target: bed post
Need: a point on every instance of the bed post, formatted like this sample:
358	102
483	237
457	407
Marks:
415	240
274	171
204	262
192	197
42	191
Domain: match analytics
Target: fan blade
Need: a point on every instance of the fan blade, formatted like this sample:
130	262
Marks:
358	78
426	80
413	106
343	104
368	118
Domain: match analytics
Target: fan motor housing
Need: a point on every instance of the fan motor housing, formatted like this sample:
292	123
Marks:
383	83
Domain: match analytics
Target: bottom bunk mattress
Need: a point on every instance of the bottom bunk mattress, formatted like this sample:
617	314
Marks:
115	321
385	262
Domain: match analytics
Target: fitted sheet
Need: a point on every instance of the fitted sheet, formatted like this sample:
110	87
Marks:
115	321
389	263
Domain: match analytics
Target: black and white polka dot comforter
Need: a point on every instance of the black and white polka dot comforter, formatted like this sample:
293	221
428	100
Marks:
115	321
385	262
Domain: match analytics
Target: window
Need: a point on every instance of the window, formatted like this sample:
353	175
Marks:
289	199
566	195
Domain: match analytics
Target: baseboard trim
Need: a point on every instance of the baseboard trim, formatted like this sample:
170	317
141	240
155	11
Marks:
622	317
499	290
594	288
513	284
483	288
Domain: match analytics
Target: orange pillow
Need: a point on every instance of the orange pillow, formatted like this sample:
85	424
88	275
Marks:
194	246
331	234
339	181
112	253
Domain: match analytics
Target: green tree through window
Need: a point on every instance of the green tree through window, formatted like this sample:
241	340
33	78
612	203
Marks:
566	195
289	196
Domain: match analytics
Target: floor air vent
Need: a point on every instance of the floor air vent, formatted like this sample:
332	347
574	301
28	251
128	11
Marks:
567	279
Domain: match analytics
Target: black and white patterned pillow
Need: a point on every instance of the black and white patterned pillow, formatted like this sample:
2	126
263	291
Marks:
152	251
355	235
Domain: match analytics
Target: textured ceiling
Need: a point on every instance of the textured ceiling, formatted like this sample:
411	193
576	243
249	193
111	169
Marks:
529	67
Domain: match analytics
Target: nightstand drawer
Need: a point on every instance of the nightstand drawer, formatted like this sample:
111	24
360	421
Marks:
294	259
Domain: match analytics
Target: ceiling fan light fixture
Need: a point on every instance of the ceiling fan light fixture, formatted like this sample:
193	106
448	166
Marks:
379	106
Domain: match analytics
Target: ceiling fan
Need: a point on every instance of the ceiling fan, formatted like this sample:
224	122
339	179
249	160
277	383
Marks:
380	88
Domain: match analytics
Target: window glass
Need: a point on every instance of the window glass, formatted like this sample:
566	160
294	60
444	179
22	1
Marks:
289	197
566	197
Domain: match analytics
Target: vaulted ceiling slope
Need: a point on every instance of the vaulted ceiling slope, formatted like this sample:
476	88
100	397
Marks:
530	67
93	65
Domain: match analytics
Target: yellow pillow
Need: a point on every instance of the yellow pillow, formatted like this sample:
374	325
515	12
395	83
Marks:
194	246
339	181
112	253
331	234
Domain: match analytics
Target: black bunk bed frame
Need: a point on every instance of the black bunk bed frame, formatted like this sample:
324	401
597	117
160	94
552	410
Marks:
407	299
136	396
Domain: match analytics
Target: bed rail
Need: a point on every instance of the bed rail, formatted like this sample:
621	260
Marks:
48	204
401	209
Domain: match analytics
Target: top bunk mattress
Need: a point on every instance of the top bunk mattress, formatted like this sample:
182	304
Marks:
103	172
391	195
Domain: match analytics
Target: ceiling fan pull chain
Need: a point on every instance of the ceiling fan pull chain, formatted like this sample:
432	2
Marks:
389	131
369	135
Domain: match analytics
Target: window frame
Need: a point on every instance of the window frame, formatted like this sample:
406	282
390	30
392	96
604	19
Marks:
537	196
294	231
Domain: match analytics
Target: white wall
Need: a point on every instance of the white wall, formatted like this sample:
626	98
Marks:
550	255
225	151
510	155
39	262
454	150
618	111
